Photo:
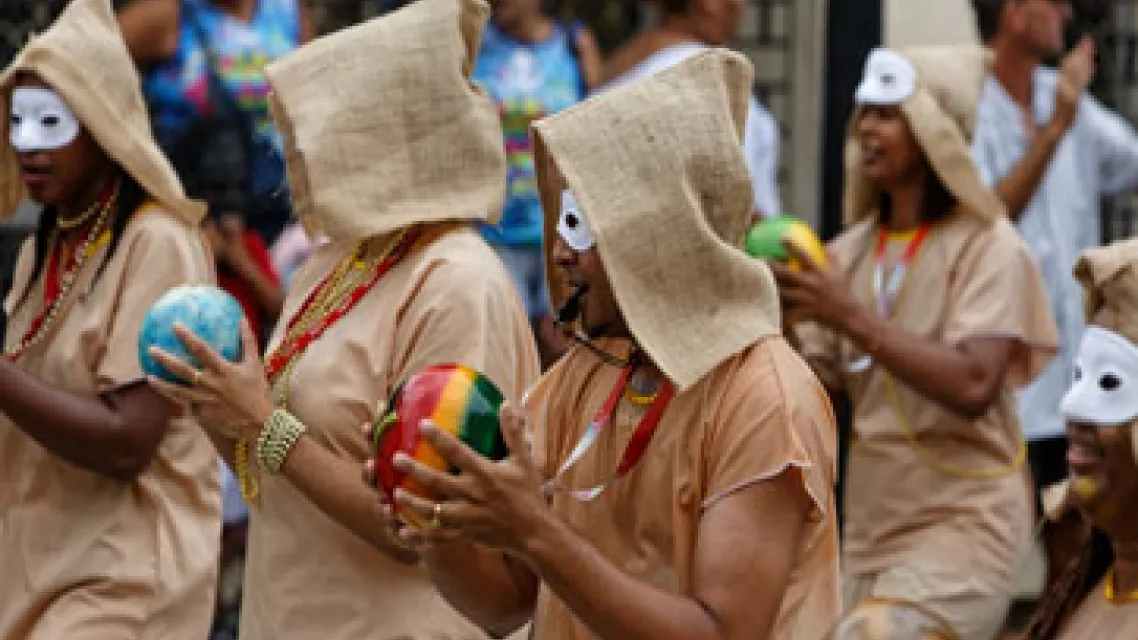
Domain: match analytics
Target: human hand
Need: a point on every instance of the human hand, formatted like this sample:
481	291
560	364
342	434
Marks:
494	504
1075	74
819	293
231	399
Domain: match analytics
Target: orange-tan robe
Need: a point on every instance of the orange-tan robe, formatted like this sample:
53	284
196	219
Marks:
915	527
83	556
753	417
307	576
1099	619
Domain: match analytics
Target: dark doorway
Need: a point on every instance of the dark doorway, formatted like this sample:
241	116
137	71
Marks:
853	28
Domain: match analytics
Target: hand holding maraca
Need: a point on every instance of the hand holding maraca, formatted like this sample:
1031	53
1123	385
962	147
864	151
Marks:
447	473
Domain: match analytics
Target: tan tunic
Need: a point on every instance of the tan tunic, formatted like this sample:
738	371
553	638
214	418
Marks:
307	576
1099	619
962	532
83	556
754	416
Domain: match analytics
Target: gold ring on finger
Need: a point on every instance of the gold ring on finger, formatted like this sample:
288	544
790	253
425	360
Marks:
437	516
196	380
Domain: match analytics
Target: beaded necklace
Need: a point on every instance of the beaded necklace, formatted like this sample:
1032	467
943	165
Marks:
330	301
58	288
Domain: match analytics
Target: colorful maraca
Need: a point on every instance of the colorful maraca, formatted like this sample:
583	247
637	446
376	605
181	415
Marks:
765	241
459	400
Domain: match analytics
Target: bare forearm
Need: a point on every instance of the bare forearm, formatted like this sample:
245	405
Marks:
1019	186
87	432
334	486
493	590
625	608
938	371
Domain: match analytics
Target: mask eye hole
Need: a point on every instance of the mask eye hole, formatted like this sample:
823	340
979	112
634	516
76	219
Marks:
16	120
571	221
50	121
1109	382
1078	373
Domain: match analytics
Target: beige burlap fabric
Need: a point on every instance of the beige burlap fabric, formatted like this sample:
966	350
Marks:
83	58
657	169
383	127
1109	276
941	113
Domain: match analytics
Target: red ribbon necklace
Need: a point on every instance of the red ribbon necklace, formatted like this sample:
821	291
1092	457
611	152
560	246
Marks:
295	343
633	451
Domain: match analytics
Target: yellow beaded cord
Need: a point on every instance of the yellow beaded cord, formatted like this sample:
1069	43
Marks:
344	279
911	433
1108	591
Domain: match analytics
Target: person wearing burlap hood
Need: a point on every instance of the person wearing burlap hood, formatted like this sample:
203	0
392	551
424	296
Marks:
680	483
1101	411
930	316
393	154
109	503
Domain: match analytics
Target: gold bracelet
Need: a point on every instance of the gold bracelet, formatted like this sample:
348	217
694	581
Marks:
278	437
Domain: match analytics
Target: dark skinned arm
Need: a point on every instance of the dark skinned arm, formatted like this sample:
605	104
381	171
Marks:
495	591
115	435
965	378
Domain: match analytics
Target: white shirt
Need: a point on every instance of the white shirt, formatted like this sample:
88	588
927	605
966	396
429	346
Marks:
760	135
1097	157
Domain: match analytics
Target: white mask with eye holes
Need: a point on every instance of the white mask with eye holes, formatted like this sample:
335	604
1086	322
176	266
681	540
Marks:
40	121
572	226
889	79
1105	391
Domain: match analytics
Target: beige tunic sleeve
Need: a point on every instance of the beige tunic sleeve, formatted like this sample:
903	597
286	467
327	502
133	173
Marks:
774	417
998	292
460	317
183	262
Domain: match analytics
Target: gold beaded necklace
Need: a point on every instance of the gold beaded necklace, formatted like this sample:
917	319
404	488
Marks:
67	282
351	272
67	224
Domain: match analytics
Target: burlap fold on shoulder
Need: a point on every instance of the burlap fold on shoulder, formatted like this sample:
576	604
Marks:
383	127
84	59
942	116
1109	276
657	169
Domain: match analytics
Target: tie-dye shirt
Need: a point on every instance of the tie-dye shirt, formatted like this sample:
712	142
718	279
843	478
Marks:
178	89
528	82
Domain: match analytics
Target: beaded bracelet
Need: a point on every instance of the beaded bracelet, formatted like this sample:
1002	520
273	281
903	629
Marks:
277	439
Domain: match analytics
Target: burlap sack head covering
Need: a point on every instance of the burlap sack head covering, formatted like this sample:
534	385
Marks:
657	169
383	127
1109	276
84	59
941	112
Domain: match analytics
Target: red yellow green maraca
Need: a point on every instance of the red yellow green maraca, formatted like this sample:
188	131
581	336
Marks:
458	400
765	241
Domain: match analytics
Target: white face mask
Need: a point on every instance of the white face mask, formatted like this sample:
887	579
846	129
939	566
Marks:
1105	392
889	79
573	227
40	121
